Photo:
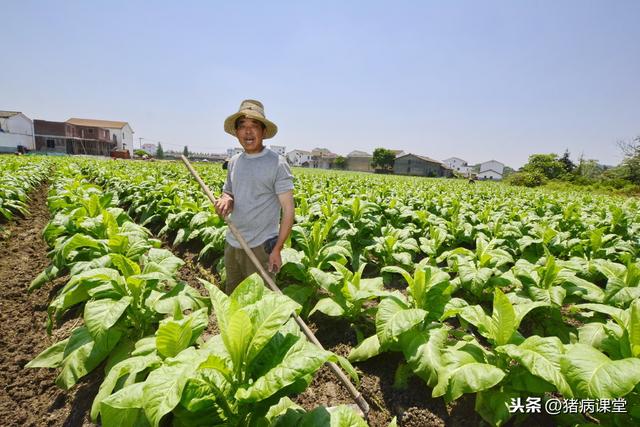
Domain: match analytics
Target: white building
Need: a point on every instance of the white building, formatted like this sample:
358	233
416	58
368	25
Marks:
298	157
455	162
490	174
121	133
278	149
459	165
15	129
492	170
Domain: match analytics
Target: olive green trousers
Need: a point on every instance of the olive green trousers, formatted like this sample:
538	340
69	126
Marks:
239	265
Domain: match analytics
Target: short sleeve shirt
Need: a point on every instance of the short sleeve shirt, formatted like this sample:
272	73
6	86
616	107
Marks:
254	181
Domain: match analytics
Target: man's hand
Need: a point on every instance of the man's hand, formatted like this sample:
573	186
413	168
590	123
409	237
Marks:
275	261
224	205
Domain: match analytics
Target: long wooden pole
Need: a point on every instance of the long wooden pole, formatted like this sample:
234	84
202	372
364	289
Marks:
355	394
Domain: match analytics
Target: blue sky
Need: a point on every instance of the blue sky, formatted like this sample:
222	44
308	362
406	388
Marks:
478	80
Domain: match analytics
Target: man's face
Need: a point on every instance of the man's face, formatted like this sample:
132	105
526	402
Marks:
250	133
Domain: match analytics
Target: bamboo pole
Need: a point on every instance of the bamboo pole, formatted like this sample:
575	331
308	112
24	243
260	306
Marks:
355	394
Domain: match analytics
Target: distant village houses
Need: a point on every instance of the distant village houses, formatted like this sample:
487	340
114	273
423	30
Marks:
16	130
66	138
413	164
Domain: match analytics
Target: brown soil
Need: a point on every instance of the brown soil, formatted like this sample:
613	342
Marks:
412	407
29	397
190	272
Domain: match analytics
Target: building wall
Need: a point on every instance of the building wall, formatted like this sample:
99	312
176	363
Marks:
16	130
362	164
45	127
411	165
278	149
455	164
51	143
298	158
123	135
492	164
490	175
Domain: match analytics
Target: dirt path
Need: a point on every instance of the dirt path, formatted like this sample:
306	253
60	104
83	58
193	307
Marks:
29	397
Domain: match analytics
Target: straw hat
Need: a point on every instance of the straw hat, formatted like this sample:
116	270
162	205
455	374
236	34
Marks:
251	109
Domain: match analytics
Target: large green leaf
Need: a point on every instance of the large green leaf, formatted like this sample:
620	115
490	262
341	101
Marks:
394	318
82	354
493	406
236	337
164	261
269	314
328	307
423	352
100	315
163	387
465	371
130	367
173	336
51	357
71	245
541	356
249	291
367	349
591	374
124	408
126	266
504	322
301	360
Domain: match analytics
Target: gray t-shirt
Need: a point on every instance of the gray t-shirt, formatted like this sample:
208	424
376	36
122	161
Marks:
255	180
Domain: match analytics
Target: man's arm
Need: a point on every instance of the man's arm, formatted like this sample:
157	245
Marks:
288	216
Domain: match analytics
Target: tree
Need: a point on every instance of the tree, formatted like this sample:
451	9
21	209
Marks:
567	164
546	164
160	152
340	162
185	151
588	168
631	163
139	152
383	159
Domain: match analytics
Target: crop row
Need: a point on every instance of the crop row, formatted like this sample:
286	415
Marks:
18	176
146	327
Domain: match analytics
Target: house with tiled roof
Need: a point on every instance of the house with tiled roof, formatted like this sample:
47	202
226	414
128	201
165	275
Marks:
120	133
414	164
359	161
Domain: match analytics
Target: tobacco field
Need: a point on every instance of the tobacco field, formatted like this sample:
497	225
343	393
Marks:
445	302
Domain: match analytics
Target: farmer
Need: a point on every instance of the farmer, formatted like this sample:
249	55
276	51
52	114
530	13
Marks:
259	184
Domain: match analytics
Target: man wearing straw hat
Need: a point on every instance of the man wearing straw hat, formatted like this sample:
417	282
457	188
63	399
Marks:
259	184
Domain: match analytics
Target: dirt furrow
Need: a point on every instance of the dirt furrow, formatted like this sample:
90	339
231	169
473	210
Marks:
29	397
